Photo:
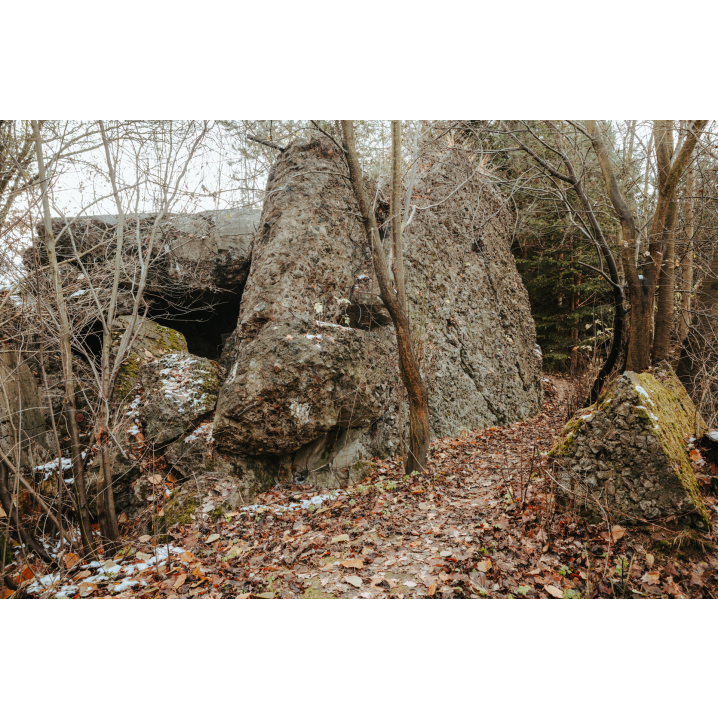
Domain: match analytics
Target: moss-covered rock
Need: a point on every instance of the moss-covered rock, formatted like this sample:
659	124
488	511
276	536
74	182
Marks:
628	452
180	389
153	341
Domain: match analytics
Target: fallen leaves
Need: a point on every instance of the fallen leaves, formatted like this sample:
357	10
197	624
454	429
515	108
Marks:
180	581
71	560
353	563
448	533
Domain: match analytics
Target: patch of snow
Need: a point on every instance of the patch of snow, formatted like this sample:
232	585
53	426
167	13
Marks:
202	431
650	413
79	293
363	276
313	336
300	411
127	583
643	392
334	326
49	469
713	435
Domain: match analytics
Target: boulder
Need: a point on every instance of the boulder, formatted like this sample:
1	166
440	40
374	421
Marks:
312	369
191	455
153	341
179	389
298	370
629	452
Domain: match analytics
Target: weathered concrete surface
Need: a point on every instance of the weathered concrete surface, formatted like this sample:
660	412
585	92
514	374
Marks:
196	258
312	372
629	451
179	389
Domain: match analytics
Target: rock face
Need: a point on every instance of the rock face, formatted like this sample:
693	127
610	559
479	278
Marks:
208	251
628	451
312	373
179	389
22	419
297	369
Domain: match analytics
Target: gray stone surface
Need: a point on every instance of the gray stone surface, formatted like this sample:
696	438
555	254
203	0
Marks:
179	389
153	341
312	373
629	452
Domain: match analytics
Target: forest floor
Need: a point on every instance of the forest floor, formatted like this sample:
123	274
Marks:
481	522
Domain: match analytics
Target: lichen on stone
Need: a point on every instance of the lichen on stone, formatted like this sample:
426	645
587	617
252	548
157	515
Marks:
628	451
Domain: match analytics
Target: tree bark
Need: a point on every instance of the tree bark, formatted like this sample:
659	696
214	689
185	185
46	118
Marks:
419	433
687	260
702	328
66	355
642	284
395	212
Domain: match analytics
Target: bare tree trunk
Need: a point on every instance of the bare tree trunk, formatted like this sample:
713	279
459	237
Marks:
687	260
419	432
667	214
66	355
701	329
642	283
395	212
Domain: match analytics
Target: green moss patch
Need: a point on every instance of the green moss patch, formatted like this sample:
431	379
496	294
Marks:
676	419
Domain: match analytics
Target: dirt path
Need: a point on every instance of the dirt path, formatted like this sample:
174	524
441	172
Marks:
481	522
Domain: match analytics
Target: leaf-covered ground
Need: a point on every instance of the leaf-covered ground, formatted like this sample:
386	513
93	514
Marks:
481	522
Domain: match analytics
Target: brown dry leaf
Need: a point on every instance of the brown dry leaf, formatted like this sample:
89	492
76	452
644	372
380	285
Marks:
617	533
212	538
555	592
155	479
431	590
83	574
70	559
443	576
353	563
649	560
86	589
484	566
267	594
341	538
145	539
651	578
355	581
187	557
7	592
695	455
143	556
244	595
161	511
180	580
535	572
2	513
